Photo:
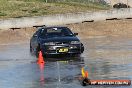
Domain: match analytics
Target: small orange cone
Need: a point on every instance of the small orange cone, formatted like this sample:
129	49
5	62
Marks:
40	58
86	74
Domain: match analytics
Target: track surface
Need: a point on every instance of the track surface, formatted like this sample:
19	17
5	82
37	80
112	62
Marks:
105	58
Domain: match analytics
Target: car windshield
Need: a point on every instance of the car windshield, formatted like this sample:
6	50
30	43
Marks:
56	32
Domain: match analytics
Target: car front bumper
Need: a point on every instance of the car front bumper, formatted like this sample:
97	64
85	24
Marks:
62	49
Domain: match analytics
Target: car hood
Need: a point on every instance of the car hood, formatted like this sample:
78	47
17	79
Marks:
59	39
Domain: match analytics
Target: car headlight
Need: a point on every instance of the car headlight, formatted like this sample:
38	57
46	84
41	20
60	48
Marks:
49	43
75	42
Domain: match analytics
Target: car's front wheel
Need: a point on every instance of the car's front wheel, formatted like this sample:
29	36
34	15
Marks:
37	51
31	50
82	48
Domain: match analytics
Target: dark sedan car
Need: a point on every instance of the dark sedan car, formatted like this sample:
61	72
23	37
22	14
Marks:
55	41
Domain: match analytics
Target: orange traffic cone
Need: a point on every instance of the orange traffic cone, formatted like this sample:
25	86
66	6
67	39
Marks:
40	58
86	74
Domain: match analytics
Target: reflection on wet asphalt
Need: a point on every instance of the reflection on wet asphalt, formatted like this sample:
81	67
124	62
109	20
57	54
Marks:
104	58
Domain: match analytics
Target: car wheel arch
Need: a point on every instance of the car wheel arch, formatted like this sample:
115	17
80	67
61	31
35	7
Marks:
38	47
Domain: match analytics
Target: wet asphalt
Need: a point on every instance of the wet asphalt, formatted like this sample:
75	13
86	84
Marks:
103	58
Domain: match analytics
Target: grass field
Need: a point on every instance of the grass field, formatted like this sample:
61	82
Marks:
26	8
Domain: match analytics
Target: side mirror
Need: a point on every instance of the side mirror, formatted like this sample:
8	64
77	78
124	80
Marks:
75	34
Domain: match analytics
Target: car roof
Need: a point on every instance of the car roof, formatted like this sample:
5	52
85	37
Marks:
52	27
55	27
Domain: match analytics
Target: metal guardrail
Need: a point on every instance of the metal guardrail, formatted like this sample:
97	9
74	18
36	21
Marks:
68	18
